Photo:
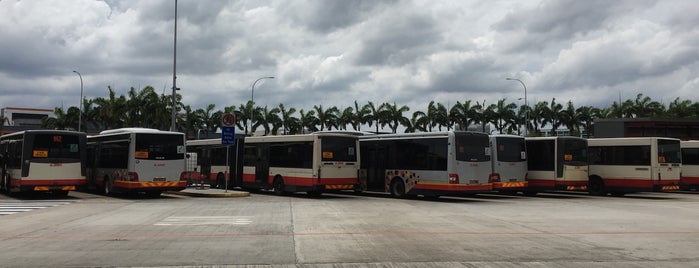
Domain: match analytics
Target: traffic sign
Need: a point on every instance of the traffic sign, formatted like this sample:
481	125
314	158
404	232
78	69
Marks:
228	120
228	135
228	129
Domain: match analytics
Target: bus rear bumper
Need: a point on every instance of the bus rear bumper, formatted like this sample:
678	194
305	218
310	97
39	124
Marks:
135	186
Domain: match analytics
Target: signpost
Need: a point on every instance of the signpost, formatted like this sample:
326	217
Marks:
228	139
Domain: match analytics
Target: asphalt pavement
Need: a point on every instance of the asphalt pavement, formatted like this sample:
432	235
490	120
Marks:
206	191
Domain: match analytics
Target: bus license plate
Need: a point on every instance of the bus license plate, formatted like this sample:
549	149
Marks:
158	179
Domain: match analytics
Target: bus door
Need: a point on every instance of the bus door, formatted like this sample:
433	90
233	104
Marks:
376	170
262	164
205	162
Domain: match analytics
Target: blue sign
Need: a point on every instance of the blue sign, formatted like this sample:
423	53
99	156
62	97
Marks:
228	135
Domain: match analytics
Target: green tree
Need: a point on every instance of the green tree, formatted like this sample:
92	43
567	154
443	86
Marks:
394	116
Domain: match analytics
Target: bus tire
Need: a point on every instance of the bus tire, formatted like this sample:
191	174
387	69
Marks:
530	193
6	187
220	181
153	193
397	188
60	193
596	187
108	187
316	193
278	186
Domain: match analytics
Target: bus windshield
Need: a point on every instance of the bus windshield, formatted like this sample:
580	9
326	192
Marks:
472	148
56	146
339	149
669	151
159	146
573	151
510	149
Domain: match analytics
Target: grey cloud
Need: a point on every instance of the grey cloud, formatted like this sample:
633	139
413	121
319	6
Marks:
328	16
398	39
559	21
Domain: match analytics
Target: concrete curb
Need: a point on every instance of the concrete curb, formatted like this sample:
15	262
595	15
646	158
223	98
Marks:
214	193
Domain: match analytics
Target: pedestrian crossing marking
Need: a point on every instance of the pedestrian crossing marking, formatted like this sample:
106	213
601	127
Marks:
9	208
204	220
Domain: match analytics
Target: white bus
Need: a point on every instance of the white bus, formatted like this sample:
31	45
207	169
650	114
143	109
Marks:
209	162
690	165
625	165
509	161
428	164
312	163
556	163
42	161
137	160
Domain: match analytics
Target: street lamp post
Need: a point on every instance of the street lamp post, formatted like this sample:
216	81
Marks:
252	99
526	113
80	107
174	75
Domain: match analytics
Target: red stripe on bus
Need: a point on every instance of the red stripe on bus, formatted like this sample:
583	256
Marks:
23	182
689	180
542	183
637	183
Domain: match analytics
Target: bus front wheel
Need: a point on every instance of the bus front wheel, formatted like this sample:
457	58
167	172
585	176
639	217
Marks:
6	184
278	186
397	188
596	187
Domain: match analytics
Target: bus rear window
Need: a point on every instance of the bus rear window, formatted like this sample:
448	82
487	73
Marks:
339	149
472	148
669	151
56	146
510	149
159	146
573	151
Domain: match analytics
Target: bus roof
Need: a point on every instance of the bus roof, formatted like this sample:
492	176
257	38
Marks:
554	138
419	135
135	130
297	137
625	141
689	144
56	131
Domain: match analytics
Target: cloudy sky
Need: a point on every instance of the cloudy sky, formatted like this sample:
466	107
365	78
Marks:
335	52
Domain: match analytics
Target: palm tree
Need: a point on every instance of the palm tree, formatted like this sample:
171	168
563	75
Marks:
681	109
552	116
286	117
441	116
645	107
587	115
243	115
210	119
503	114
308	121
269	118
192	122
346	117
111	110
537	116
361	116
463	114
394	116
569	118
326	118
375	114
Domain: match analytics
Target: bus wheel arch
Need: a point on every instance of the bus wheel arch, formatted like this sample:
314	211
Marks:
596	186
397	187
278	185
